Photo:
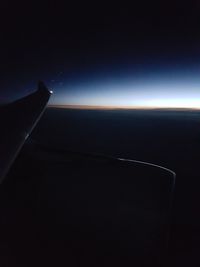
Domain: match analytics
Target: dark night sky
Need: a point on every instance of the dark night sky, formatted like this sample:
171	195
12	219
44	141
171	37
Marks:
96	53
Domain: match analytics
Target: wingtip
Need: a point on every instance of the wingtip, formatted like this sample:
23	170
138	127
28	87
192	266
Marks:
42	87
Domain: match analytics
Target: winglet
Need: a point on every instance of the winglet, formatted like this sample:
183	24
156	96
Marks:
42	87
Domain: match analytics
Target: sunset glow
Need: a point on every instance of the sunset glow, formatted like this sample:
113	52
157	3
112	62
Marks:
129	93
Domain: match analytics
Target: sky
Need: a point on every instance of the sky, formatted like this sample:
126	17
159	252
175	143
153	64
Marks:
130	88
142	55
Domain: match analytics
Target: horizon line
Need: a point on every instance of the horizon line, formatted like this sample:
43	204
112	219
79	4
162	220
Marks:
92	107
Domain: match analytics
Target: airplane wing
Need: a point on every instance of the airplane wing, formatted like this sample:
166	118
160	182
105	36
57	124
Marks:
17	121
58	205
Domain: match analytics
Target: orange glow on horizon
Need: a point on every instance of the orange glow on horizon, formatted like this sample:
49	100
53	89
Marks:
96	107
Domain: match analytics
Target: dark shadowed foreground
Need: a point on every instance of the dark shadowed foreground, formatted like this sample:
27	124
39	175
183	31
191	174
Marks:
86	213
61	208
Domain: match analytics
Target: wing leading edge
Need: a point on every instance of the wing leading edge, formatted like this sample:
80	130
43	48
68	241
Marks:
17	121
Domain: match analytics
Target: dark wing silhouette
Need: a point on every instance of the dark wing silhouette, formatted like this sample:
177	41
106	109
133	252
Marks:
59	205
17	121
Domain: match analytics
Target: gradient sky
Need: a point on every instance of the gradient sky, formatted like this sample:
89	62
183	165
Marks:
146	55
149	86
